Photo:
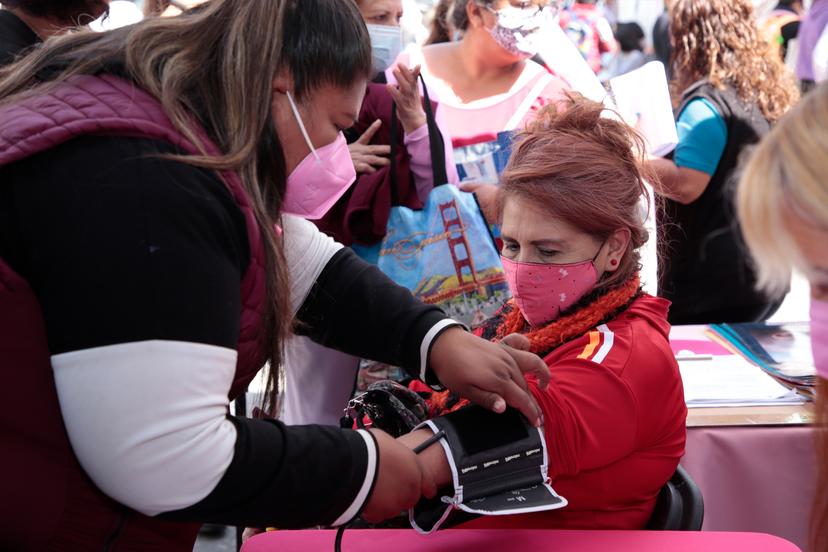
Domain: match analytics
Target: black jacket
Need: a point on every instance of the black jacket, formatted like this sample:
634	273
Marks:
15	37
80	223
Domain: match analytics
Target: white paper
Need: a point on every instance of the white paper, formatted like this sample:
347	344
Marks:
642	98
562	56
731	381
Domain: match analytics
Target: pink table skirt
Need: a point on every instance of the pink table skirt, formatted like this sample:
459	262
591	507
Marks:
754	479
458	540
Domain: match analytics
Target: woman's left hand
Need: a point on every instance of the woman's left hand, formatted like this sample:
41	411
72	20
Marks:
407	97
368	158
489	374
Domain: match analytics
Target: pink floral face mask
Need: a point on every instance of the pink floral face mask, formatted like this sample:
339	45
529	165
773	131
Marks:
542	291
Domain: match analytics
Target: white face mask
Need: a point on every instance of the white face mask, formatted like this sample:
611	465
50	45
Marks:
386	44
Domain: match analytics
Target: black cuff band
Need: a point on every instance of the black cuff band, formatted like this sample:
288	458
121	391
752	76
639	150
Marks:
498	463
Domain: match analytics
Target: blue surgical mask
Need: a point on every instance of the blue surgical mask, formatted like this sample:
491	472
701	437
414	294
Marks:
386	44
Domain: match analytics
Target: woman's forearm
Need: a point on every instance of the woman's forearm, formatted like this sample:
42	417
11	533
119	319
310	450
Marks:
433	458
680	184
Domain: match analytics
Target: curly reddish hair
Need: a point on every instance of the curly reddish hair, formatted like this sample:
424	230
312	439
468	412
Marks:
75	12
719	40
584	168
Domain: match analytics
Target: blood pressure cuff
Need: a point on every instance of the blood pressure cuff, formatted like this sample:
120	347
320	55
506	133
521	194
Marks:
499	466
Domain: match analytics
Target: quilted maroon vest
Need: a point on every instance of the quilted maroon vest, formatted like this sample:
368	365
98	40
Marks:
46	500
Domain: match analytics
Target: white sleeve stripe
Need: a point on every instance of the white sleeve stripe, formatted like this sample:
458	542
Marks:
367	483
307	252
148	420
455	478
606	346
425	346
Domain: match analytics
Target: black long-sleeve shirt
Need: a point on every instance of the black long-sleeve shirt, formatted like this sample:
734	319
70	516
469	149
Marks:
136	262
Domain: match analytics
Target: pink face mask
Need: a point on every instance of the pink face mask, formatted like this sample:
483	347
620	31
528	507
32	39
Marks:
819	336
542	291
321	178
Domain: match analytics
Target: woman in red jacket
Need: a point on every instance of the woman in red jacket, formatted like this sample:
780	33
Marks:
614	415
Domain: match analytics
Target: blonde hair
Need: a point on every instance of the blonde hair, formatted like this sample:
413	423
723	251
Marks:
215	66
785	177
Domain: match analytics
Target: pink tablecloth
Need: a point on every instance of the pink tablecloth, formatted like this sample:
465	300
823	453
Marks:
757	479
458	540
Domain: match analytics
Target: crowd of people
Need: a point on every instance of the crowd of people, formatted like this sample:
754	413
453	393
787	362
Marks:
183	201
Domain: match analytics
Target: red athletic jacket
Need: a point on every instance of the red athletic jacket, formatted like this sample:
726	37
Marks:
614	415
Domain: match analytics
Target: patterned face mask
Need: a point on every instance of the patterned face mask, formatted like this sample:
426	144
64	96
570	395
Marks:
518	29
542	291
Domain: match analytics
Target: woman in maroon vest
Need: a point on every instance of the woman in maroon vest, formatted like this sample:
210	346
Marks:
148	271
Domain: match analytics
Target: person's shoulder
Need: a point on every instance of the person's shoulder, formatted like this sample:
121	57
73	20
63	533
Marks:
417	54
15	37
414	54
554	87
122	173
641	329
126	161
535	71
645	324
699	108
605	344
433	56
717	98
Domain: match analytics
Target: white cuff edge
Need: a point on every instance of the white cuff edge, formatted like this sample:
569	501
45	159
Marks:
429	337
362	495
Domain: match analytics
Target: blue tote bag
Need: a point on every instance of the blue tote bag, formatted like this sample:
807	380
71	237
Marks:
444	253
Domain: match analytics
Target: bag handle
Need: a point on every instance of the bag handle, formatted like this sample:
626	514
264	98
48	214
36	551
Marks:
435	141
395	186
436	146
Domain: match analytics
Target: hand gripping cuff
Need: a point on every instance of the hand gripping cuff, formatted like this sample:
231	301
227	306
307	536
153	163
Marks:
498	463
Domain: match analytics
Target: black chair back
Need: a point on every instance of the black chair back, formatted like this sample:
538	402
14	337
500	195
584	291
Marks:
680	506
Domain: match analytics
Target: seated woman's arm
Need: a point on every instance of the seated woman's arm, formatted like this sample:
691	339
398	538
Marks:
590	420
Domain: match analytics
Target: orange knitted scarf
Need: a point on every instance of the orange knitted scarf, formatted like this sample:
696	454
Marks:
594	312
556	333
